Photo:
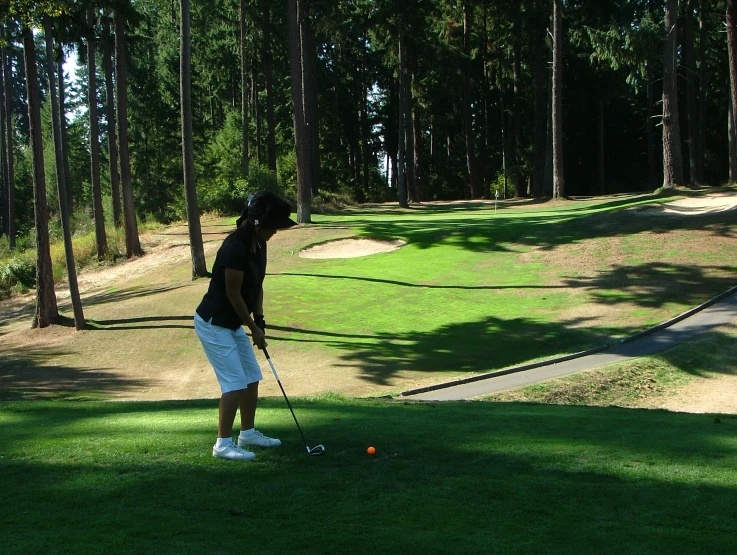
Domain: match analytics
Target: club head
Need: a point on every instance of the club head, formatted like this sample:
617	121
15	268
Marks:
316	450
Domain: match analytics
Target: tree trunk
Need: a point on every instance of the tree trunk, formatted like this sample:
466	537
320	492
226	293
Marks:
61	179
559	184
196	248
505	150
391	133
519	181
409	147
703	46
602	151
692	113
295	11
473	179
401	119
269	84
256	113
10	145
47	312
309	96
244	88
112	141
4	210
732	51
387	167
64	135
672	158
100	235
417	132
652	163
132	242
732	144
548	173
483	104
362	93
541	104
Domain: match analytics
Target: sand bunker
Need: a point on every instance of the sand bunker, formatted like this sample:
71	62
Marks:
350	248
717	202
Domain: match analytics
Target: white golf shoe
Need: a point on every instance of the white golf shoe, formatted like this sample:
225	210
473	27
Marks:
233	452
257	439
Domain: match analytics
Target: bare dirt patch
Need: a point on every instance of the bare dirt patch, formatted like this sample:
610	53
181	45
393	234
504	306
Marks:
715	395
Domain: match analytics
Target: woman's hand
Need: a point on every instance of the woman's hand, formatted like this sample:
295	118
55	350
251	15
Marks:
259	337
260	322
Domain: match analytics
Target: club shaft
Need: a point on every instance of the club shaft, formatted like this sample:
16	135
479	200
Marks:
278	381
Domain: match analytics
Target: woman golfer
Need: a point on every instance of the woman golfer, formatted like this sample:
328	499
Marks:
235	293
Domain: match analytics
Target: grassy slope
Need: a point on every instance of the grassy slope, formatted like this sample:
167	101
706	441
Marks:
634	382
472	291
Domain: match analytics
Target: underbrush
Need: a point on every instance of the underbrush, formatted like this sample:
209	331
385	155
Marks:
18	266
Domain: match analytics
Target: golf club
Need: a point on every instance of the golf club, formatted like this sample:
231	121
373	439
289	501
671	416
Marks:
318	449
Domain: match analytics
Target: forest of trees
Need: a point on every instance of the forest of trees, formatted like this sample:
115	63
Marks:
177	107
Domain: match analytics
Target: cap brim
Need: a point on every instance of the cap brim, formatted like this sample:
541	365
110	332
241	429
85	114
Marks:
279	222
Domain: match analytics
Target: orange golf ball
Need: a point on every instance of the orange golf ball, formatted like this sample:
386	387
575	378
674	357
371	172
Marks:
371	450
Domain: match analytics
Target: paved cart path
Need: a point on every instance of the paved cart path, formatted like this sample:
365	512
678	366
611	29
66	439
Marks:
716	312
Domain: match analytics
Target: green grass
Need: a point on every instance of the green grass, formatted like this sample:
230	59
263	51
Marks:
447	478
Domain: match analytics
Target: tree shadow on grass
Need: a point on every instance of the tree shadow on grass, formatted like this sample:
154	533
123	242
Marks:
458	207
714	351
452	477
418	285
186	234
25	374
420	208
117	295
654	285
25	311
472	348
480	232
455	349
110	295
135	323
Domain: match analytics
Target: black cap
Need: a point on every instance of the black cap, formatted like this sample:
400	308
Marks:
265	209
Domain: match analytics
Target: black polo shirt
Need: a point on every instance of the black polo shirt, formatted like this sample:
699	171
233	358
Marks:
236	254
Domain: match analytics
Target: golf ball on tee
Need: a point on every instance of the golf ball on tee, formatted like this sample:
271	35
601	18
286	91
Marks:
371	450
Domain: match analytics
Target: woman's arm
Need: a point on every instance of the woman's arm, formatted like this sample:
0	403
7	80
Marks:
233	282
259	308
